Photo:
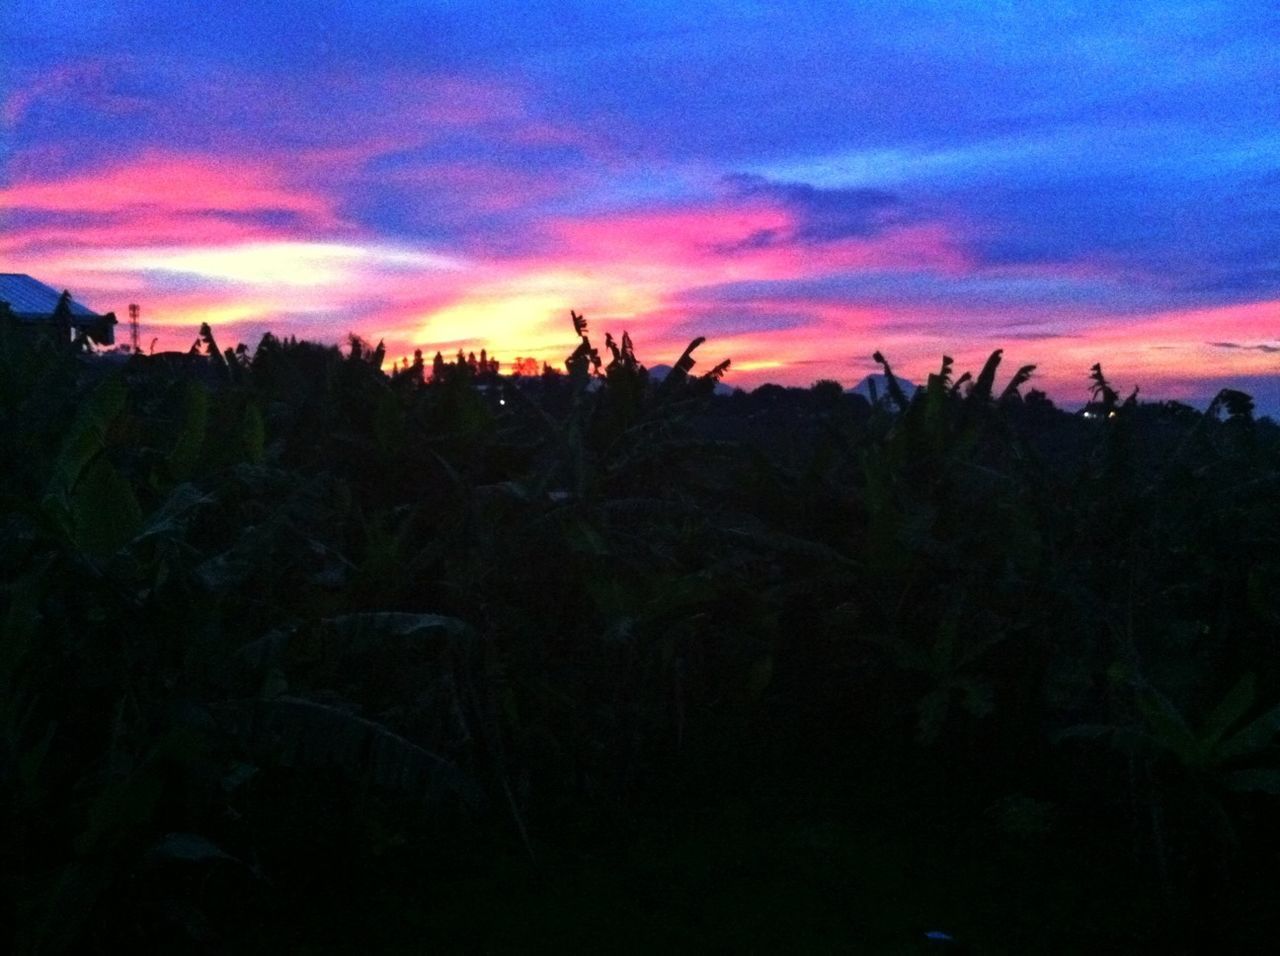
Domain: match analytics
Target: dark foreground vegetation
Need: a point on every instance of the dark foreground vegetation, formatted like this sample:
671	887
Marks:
301	657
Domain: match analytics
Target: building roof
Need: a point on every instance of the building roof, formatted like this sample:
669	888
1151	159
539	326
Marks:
30	299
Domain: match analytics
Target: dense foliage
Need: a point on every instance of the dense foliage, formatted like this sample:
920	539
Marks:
299	654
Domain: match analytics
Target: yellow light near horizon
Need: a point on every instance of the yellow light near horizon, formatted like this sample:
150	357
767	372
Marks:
520	321
613	294
228	314
528	314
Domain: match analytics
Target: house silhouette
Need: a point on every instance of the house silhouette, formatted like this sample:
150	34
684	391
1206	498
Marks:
41	312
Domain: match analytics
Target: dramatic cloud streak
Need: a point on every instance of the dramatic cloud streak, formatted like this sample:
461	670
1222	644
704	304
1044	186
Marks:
803	186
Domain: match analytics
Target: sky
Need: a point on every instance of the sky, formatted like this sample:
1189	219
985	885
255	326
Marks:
803	184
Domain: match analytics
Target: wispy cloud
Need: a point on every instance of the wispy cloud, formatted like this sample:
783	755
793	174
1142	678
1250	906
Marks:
1269	349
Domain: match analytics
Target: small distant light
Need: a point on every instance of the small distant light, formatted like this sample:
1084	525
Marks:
1111	415
502	401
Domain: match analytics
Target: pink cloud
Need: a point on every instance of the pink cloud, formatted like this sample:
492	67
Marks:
718	242
676	236
135	229
155	180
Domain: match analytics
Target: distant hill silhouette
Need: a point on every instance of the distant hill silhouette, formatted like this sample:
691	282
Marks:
881	391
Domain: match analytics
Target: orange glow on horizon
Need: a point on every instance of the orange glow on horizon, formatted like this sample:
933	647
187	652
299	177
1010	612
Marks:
197	240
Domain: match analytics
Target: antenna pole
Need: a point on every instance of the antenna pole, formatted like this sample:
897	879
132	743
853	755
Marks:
133	326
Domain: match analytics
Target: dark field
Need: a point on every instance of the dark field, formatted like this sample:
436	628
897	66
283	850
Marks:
301	656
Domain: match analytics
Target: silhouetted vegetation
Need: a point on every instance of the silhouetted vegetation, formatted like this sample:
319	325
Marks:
301	655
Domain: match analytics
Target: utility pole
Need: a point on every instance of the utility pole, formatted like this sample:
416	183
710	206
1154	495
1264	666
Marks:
133	326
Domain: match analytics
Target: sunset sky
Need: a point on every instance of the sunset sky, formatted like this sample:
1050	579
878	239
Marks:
801	183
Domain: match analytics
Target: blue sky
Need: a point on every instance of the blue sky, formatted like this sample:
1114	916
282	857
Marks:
806	183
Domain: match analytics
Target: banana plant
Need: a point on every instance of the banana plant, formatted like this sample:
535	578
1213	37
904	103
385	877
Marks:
1197	765
950	665
1225	748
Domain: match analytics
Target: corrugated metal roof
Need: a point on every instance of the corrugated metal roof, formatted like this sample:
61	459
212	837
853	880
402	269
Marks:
32	299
